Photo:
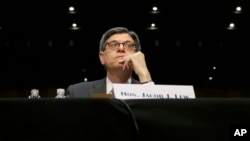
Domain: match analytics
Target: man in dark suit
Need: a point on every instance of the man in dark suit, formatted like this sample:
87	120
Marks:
120	54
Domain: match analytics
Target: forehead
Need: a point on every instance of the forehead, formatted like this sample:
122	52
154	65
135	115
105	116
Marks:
121	37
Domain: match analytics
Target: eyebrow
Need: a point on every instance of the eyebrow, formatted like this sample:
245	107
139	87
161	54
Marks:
123	41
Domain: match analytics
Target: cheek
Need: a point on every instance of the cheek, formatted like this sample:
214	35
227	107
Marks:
106	58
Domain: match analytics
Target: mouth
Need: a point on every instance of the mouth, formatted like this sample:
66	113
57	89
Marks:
121	62
120	59
119	56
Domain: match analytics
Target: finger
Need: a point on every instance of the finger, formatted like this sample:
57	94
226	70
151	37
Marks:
125	65
129	65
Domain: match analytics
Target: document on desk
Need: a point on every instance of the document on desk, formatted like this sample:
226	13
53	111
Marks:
140	91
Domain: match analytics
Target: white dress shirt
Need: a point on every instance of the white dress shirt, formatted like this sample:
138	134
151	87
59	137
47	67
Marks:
109	86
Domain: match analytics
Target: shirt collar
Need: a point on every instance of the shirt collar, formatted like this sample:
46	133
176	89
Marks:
109	86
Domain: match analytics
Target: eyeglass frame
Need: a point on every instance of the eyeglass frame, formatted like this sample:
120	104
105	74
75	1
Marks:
133	48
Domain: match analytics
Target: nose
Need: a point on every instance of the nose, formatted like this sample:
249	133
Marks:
121	46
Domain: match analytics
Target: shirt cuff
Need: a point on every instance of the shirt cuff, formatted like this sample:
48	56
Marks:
148	82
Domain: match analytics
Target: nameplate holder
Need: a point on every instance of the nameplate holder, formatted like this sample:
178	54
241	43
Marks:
144	91
101	95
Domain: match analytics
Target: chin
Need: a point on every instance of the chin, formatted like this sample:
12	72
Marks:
119	66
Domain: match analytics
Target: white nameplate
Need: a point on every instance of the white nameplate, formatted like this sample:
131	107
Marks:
148	91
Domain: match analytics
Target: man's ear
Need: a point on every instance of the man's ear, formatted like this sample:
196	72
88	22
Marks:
101	57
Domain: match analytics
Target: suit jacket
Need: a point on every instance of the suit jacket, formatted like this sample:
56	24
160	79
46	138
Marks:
85	89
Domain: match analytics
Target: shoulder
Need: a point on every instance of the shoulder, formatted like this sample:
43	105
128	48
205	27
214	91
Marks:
86	84
83	89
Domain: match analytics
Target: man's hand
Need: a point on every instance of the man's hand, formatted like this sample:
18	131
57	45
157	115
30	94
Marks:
136	61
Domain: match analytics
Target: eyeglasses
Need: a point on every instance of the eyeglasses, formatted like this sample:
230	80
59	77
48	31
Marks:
129	46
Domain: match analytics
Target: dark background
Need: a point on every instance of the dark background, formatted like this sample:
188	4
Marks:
36	48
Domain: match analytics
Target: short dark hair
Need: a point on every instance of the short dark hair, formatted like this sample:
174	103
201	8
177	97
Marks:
118	30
